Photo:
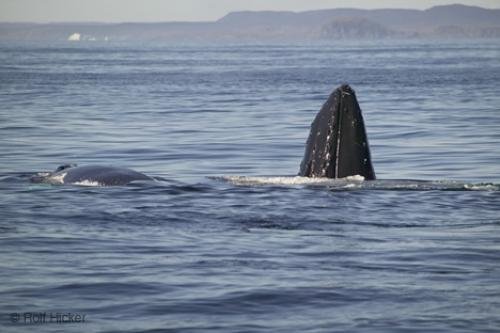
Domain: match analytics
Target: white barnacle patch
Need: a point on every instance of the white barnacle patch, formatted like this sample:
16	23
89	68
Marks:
313	159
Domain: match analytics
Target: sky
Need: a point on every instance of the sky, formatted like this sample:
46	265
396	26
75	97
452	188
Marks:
185	10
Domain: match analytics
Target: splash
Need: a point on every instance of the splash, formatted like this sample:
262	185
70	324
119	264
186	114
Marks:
284	180
358	183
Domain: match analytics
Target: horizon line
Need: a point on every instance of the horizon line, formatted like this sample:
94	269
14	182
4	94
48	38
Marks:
241	11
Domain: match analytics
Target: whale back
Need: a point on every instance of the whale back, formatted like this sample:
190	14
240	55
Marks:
103	175
337	145
90	175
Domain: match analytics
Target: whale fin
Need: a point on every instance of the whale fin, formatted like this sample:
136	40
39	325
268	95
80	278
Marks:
337	146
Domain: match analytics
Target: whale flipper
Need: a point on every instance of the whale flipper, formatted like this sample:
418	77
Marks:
337	146
90	175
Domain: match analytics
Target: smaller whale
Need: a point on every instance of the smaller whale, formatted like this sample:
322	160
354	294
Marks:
97	175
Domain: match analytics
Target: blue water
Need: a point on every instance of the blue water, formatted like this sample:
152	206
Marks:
220	243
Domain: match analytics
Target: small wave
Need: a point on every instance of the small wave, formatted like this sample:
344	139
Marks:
358	183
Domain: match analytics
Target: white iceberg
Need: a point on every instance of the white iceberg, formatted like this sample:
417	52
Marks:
75	37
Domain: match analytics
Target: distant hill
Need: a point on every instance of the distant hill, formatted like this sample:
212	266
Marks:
451	21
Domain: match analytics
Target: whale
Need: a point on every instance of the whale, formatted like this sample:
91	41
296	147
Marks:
337	146
97	175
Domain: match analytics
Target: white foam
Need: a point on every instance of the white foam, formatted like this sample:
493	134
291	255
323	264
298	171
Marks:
482	187
87	182
57	179
290	180
355	178
358	182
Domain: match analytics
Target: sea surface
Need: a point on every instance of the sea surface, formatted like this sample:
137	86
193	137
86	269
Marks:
228	239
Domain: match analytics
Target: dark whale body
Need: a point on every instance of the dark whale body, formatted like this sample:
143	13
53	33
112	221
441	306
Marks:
90	175
337	146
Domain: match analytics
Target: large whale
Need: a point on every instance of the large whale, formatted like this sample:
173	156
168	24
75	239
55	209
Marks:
90	175
337	146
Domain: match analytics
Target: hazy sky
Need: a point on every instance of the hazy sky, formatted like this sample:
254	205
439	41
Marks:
185	10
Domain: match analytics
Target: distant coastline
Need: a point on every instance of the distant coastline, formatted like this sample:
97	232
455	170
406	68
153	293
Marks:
450	21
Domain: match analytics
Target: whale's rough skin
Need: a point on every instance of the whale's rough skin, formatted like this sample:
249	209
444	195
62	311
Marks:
337	146
91	174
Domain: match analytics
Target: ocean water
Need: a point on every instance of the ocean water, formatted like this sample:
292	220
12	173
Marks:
227	239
